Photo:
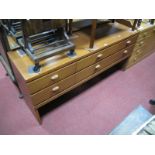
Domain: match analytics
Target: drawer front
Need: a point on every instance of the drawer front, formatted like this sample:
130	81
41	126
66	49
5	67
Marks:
140	53
85	73
115	57
81	64
90	60
147	42
140	44
51	78
146	34
143	38
53	90
131	40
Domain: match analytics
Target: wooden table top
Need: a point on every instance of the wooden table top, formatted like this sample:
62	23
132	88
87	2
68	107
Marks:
107	35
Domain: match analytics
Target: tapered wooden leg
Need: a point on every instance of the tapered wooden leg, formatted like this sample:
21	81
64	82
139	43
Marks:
134	24
37	115
93	33
70	26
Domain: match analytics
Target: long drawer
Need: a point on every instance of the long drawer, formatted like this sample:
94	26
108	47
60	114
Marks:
103	63
92	59
51	78
53	90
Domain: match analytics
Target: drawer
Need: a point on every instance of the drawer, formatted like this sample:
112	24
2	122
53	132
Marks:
85	73
92	59
143	37
51	78
135	59
138	52
115	48
85	62
140	44
53	90
146	34
131	40
116	57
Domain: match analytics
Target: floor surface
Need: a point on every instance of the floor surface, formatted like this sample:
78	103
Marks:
94	108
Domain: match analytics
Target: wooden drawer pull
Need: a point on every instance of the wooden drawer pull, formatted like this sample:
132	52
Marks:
55	88
54	77
125	52
128	42
99	55
98	67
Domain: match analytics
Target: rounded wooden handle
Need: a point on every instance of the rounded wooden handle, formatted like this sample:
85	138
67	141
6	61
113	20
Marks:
99	55
98	66
125	52
55	88
128	42
54	77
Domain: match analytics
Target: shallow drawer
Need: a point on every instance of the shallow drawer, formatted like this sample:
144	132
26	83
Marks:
115	57
131	40
147	33
115	48
85	73
52	90
140	44
143	38
92	59
138	52
51	78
